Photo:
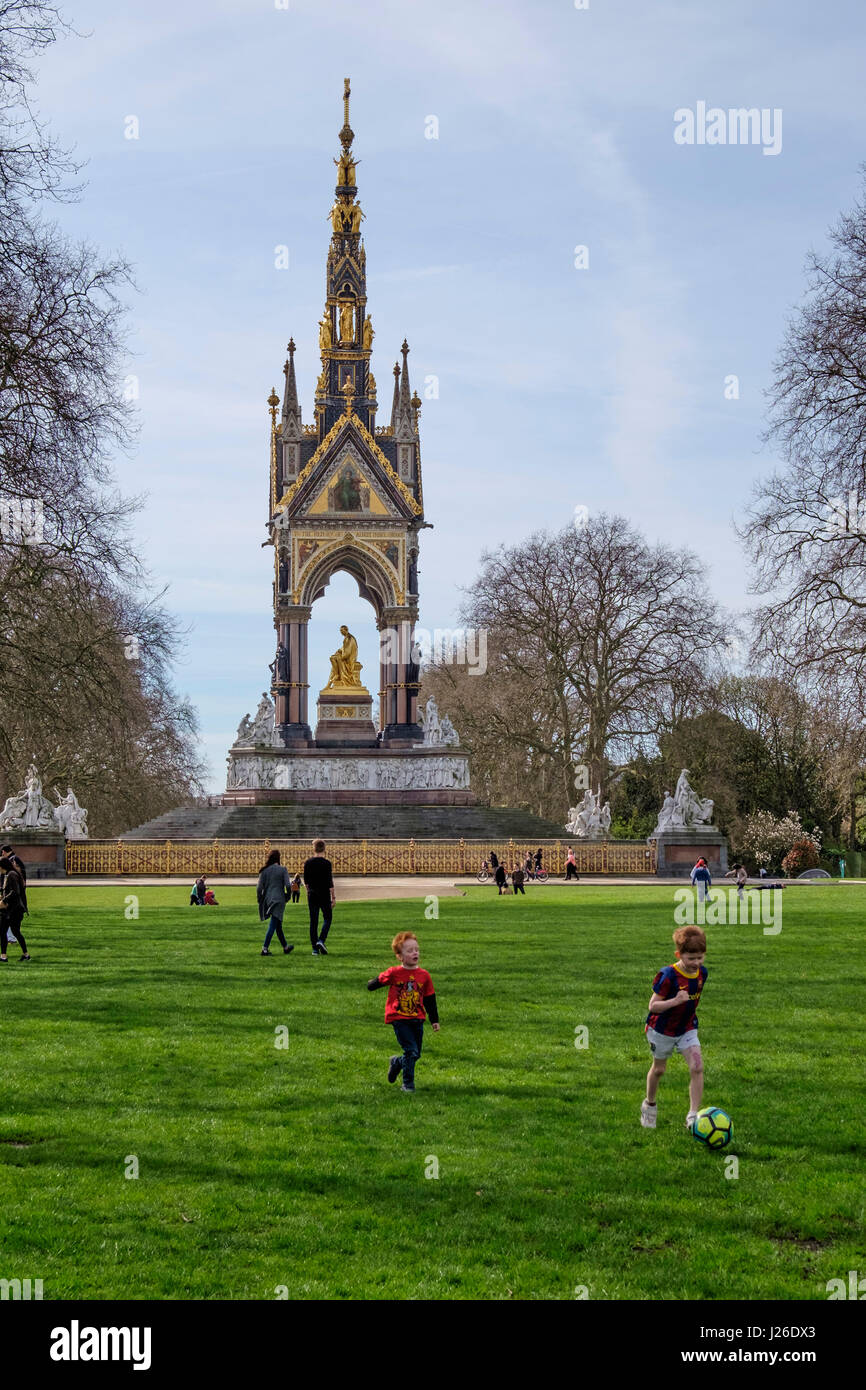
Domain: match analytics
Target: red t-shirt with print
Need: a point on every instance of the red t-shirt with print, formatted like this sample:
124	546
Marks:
407	990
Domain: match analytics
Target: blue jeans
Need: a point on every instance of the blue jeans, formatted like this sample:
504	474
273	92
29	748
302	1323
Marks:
410	1036
275	925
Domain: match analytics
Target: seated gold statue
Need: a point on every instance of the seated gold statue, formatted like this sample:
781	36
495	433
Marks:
345	667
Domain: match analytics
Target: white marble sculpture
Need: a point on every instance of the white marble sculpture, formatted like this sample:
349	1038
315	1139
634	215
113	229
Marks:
685	810
29	809
260	730
450	737
70	816
590	820
439	732
430	724
381	773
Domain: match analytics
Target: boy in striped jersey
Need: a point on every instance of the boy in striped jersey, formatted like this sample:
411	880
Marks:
672	1021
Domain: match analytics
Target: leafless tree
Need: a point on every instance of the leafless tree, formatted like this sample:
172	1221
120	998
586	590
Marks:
71	581
597	636
806	533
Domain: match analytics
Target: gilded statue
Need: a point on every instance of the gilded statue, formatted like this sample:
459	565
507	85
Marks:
345	667
325	332
347	330
369	333
346	166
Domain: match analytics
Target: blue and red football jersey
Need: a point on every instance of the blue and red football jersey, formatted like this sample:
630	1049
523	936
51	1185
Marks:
667	984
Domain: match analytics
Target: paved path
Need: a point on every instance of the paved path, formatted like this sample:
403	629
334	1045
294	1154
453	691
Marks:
369	887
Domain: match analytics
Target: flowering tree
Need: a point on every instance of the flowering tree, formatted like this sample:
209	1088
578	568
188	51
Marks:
767	840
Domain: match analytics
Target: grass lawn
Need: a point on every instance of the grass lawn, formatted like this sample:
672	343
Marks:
261	1167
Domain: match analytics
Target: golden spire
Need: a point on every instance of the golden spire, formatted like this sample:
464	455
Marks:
347	135
273	402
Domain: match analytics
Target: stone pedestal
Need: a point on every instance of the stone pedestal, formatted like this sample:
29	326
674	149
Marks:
345	719
679	850
43	851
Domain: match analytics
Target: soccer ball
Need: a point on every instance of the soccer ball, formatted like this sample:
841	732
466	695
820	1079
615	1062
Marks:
713	1127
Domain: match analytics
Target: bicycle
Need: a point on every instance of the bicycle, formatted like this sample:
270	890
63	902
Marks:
537	875
483	874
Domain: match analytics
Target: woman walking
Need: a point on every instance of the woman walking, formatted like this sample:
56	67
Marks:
13	905
273	891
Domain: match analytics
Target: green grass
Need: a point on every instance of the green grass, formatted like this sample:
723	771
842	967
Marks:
302	1168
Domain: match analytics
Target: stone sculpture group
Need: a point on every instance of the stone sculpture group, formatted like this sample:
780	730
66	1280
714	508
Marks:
439	732
685	810
30	810
590	820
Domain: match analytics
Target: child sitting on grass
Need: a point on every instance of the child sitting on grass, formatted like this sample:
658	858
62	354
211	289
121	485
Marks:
672	1021
409	989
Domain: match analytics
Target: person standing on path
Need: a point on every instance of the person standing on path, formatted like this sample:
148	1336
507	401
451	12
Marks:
702	879
273	891
570	865
319	882
500	878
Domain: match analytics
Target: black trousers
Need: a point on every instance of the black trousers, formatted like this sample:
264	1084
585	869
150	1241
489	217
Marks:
317	905
519	888
11	919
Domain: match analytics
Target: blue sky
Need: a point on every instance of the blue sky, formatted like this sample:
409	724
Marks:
557	386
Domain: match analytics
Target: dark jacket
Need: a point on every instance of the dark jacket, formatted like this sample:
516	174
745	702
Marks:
500	875
274	888
13	896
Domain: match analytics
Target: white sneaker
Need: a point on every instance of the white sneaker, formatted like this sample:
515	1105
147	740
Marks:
648	1114
690	1119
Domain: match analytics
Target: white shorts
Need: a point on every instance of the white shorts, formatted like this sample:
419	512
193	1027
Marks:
661	1045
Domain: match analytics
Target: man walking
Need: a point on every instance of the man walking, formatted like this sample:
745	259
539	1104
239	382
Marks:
319	882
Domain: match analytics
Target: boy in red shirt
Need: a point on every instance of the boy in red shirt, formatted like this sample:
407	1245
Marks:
409	990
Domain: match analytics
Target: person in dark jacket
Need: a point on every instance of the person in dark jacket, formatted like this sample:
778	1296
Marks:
319	882
22	869
13	905
501	878
517	877
273	890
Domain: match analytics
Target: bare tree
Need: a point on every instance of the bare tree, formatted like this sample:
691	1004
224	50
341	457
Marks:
806	533
71	581
594	633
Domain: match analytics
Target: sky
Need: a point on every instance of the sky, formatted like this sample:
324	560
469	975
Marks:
603	385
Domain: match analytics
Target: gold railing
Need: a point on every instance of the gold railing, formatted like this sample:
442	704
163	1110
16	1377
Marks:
358	857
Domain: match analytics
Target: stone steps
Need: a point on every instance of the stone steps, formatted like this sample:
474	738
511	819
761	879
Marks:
307	820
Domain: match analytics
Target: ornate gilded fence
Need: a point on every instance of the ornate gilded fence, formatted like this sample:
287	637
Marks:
112	858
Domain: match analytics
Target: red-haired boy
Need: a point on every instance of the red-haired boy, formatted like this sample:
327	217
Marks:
672	1021
409	990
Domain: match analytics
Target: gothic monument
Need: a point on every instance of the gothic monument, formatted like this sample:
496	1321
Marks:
345	494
